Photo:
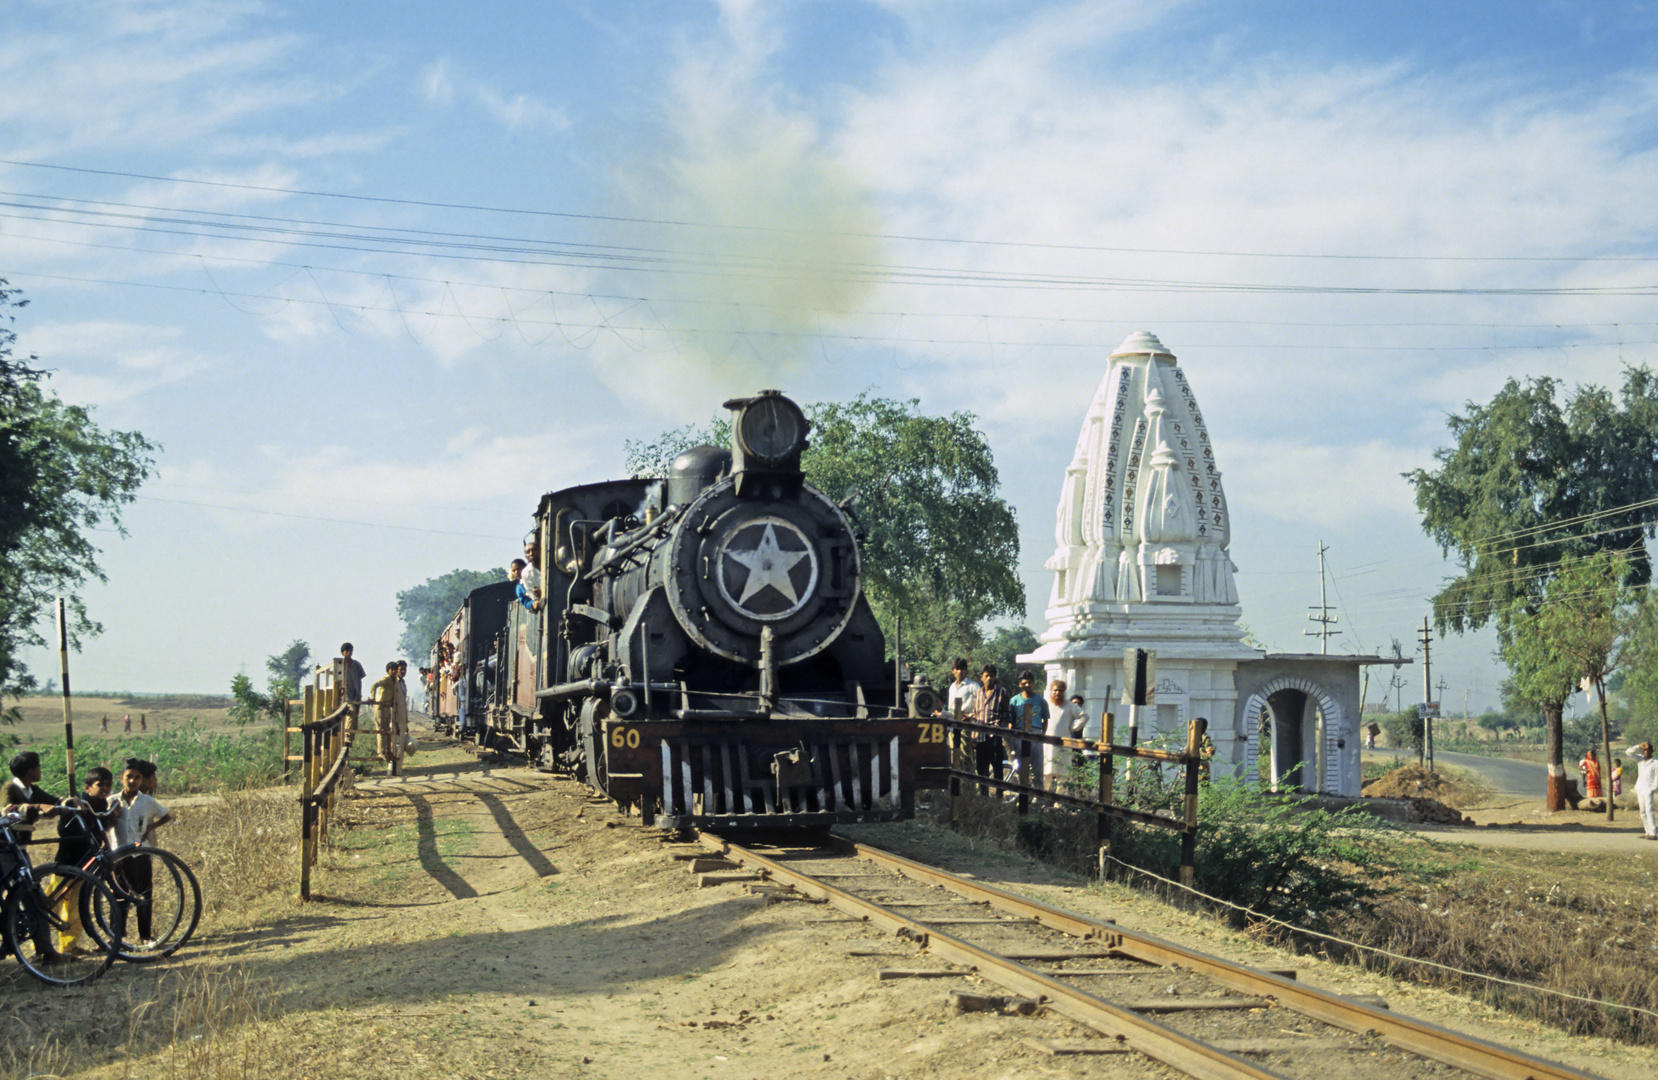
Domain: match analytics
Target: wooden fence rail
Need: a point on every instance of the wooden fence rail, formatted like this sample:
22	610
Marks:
1105	806
325	736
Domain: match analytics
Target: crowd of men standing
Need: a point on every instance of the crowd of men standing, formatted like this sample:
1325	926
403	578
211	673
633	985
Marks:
985	700
390	698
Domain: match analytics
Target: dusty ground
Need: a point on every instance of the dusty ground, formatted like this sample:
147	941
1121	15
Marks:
495	922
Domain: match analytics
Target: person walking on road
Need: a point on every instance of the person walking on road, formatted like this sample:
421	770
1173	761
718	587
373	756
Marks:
384	694
1646	786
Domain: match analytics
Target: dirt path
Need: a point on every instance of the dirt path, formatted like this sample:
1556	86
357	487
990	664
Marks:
495	922
502	923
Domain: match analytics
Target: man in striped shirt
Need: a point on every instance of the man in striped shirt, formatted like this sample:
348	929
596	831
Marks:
991	707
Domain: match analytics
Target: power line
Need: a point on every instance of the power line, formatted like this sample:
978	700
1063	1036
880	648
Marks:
611	325
664	262
684	223
1550	526
911	313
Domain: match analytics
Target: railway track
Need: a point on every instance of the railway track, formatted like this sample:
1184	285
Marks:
1203	1016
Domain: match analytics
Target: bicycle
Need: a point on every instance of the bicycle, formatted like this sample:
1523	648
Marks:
167	905
32	913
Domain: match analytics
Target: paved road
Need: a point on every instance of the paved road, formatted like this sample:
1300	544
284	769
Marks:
1505	775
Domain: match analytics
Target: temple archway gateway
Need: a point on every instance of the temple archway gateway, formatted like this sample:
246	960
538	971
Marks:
1141	560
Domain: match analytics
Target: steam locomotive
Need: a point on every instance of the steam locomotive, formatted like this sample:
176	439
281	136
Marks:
705	655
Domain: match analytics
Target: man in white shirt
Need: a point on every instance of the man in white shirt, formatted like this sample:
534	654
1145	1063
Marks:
964	690
1646	787
531	575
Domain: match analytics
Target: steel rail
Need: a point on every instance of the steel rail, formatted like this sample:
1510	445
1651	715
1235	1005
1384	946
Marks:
1133	1030
1407	1033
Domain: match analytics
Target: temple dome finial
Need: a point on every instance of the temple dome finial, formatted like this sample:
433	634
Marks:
1141	341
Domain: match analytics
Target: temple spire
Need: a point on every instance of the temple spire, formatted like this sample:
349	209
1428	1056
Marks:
1141	527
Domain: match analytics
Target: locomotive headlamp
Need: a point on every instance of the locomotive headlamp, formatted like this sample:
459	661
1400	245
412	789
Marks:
624	703
771	428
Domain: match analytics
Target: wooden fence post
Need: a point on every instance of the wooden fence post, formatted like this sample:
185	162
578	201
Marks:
305	811
958	762
1188	839
1108	768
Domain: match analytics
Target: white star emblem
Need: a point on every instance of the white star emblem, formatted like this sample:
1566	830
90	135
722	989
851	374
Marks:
768	564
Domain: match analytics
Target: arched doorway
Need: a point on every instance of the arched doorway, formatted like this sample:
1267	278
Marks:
1289	712
1292	726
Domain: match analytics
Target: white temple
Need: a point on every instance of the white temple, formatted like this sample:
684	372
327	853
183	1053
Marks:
1141	561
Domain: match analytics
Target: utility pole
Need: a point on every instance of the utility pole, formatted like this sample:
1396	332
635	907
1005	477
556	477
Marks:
1324	619
1426	641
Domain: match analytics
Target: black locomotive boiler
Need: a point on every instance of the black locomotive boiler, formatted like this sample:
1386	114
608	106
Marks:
705	655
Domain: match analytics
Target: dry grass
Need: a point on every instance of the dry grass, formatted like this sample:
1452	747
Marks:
210	1023
245	851
202	1020
1570	925
1530	923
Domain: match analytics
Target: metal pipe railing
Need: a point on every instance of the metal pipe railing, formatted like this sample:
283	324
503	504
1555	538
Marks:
1105	805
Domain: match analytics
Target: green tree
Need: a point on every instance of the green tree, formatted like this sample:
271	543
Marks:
292	665
651	459
938	538
249	706
1640	672
940	544
1573	633
1002	648
427	608
1529	481
1494	721
61	478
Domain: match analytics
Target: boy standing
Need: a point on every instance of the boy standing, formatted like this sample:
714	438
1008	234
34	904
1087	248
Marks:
1030	713
140	817
990	707
354	674
75	848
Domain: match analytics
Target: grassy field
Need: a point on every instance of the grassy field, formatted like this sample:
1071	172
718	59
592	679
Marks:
192	738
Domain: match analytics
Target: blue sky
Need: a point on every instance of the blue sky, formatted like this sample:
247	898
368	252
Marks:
379	275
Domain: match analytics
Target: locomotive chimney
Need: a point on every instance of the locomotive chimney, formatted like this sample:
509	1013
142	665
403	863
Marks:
768	435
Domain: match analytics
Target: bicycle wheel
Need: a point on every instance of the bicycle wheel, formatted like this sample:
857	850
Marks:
154	904
38	910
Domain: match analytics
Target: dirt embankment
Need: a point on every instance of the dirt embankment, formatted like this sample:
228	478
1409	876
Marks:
497	923
1428	797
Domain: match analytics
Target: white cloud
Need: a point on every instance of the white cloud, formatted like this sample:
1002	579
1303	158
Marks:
440	84
1335	484
521	111
436	84
107	362
150	77
488	482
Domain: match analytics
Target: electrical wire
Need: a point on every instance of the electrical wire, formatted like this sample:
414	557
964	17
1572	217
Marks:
665	261
1062	320
684	223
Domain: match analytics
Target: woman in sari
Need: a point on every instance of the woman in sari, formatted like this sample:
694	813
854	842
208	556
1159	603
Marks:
1591	774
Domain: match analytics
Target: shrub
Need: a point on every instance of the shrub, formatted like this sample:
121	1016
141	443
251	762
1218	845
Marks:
1280	856
191	758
